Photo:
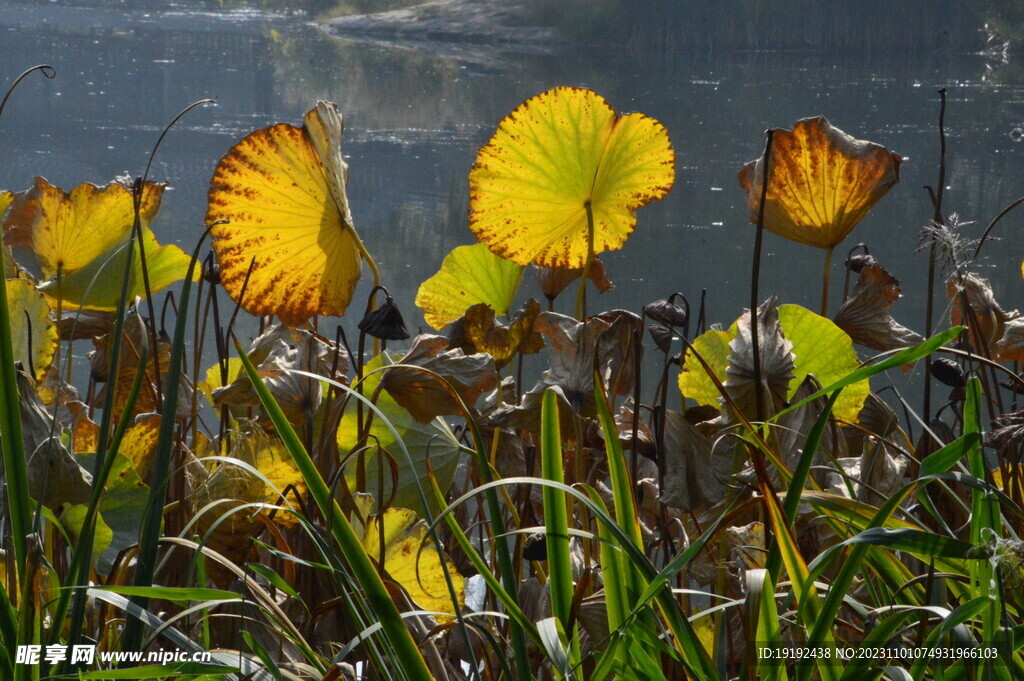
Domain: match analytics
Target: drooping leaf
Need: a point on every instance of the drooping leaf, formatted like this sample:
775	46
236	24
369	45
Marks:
33	335
423	395
468	275
276	354
282	189
434	440
212	379
988	320
412	560
821	182
777	363
819	348
865	317
694	479
139	444
385	322
557	153
603	343
479	331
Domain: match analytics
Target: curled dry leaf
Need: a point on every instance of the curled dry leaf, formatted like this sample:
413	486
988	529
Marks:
865	317
559	156
821	182
694	478
554	280
277	354
673	312
422	394
794	427
385	322
479	331
468	275
282	191
777	363
987	321
1010	347
603	343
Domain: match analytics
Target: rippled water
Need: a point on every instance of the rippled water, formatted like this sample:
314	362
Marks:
415	120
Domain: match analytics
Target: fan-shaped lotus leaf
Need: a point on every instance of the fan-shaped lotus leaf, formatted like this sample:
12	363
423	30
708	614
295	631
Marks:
468	275
282	189
412	560
819	347
822	182
556	154
69	230
97	285
33	334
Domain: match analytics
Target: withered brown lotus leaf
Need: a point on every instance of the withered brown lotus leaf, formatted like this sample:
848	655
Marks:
479	331
987	320
276	355
1010	347
554	280
694	479
646	445
673	311
822	181
1007	431
865	314
795	426
777	363
662	336
385	322
422	394
603	343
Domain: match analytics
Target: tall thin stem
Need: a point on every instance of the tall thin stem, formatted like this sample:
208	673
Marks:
825	276
938	219
755	273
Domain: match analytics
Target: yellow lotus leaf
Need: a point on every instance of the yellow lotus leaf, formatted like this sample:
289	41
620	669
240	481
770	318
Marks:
6	198
282	189
479	331
418	571
556	154
820	348
822	182
97	285
468	275
212	380
139	444
69	230
34	336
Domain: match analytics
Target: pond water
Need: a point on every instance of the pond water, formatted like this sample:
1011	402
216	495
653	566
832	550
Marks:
415	119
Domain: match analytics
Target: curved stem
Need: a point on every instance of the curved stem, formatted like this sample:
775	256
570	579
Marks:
825	280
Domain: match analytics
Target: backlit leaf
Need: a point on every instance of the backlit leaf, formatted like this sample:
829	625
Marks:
819	346
33	334
282	189
865	314
821	182
479	331
69	230
419	572
557	153
468	275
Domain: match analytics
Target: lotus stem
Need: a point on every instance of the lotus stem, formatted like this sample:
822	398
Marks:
755	274
825	280
581	297
930	300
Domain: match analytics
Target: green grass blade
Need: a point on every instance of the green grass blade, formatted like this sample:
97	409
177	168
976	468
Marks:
407	653
556	523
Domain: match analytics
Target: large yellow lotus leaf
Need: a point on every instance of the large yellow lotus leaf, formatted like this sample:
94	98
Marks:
418	571
822	182
6	199
468	275
282	189
97	285
139	444
551	157
69	230
34	336
821	348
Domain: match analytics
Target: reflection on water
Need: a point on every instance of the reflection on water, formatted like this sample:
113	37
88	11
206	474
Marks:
415	120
